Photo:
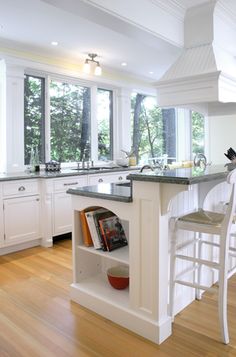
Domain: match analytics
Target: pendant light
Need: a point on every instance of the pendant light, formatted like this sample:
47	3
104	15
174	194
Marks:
91	64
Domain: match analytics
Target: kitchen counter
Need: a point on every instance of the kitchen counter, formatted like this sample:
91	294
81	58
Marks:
109	191
181	176
62	173
184	176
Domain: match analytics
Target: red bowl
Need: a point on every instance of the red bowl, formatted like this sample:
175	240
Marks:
118	277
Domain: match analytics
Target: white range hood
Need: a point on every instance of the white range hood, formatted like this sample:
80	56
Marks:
204	76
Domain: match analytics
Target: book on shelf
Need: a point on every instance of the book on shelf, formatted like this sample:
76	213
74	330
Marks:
113	232
93	230
97	216
87	239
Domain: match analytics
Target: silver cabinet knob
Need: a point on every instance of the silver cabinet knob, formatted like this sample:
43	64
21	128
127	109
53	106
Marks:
21	188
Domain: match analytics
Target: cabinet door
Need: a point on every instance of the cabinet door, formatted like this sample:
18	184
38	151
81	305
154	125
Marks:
62	220
62	212
21	219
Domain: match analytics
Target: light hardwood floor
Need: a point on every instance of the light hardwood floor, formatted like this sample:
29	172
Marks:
37	317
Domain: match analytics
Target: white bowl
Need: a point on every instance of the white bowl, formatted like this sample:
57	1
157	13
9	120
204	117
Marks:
122	162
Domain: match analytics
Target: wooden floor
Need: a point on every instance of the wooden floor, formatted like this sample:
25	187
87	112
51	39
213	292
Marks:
37	317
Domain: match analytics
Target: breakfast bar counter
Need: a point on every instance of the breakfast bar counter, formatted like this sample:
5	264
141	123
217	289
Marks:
145	208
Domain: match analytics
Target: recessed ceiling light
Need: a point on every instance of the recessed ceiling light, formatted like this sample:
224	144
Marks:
54	43
123	64
151	72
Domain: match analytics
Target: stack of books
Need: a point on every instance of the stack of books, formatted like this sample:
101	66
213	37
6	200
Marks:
102	229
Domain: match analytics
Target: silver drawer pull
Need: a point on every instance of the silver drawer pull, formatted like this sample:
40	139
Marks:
71	184
100	180
120	178
21	188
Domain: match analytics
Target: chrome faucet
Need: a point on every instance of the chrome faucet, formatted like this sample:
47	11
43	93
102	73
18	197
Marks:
146	167
200	160
158	165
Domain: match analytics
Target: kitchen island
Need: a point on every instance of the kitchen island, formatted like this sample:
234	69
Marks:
146	207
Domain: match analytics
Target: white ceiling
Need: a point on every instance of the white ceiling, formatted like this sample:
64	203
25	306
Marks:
31	25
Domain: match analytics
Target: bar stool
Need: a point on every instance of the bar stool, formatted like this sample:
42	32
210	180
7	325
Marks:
207	222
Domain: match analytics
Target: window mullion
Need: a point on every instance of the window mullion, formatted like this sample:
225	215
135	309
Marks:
47	120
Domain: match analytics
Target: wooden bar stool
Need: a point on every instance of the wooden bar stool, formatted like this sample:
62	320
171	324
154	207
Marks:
207	222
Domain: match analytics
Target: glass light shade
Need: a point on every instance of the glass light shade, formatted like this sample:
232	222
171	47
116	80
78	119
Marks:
98	70
86	67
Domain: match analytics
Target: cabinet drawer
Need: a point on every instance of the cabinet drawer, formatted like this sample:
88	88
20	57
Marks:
20	188
62	185
107	178
119	177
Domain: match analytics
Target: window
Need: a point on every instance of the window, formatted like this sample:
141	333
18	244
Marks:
34	110
104	120
153	129
70	122
63	132
198	133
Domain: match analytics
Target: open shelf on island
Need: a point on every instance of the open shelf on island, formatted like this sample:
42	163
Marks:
121	254
98	286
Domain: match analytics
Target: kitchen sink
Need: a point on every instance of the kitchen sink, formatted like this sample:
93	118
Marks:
94	168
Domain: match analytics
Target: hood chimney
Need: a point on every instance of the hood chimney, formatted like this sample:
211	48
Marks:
204	76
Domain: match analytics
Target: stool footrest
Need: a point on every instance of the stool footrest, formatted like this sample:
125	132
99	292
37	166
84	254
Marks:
193	285
213	265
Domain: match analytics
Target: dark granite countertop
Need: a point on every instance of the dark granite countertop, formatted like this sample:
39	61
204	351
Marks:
184	176
121	192
62	173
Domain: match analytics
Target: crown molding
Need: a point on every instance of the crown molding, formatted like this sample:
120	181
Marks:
170	10
226	13
172	7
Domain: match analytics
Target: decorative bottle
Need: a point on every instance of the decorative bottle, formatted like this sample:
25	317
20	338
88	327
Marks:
32	159
36	159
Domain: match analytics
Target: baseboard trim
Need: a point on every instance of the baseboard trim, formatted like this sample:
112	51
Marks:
155	331
16	247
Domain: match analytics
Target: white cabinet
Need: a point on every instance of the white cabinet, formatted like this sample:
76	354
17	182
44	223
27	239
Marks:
21	211
62	218
21	219
36	210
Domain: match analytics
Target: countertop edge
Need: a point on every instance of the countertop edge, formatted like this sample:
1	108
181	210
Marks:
68	172
177	180
103	196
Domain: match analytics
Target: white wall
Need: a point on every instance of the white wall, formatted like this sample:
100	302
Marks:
222	136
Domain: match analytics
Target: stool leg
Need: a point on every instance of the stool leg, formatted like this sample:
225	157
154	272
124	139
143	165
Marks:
222	299
172	267
199	270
